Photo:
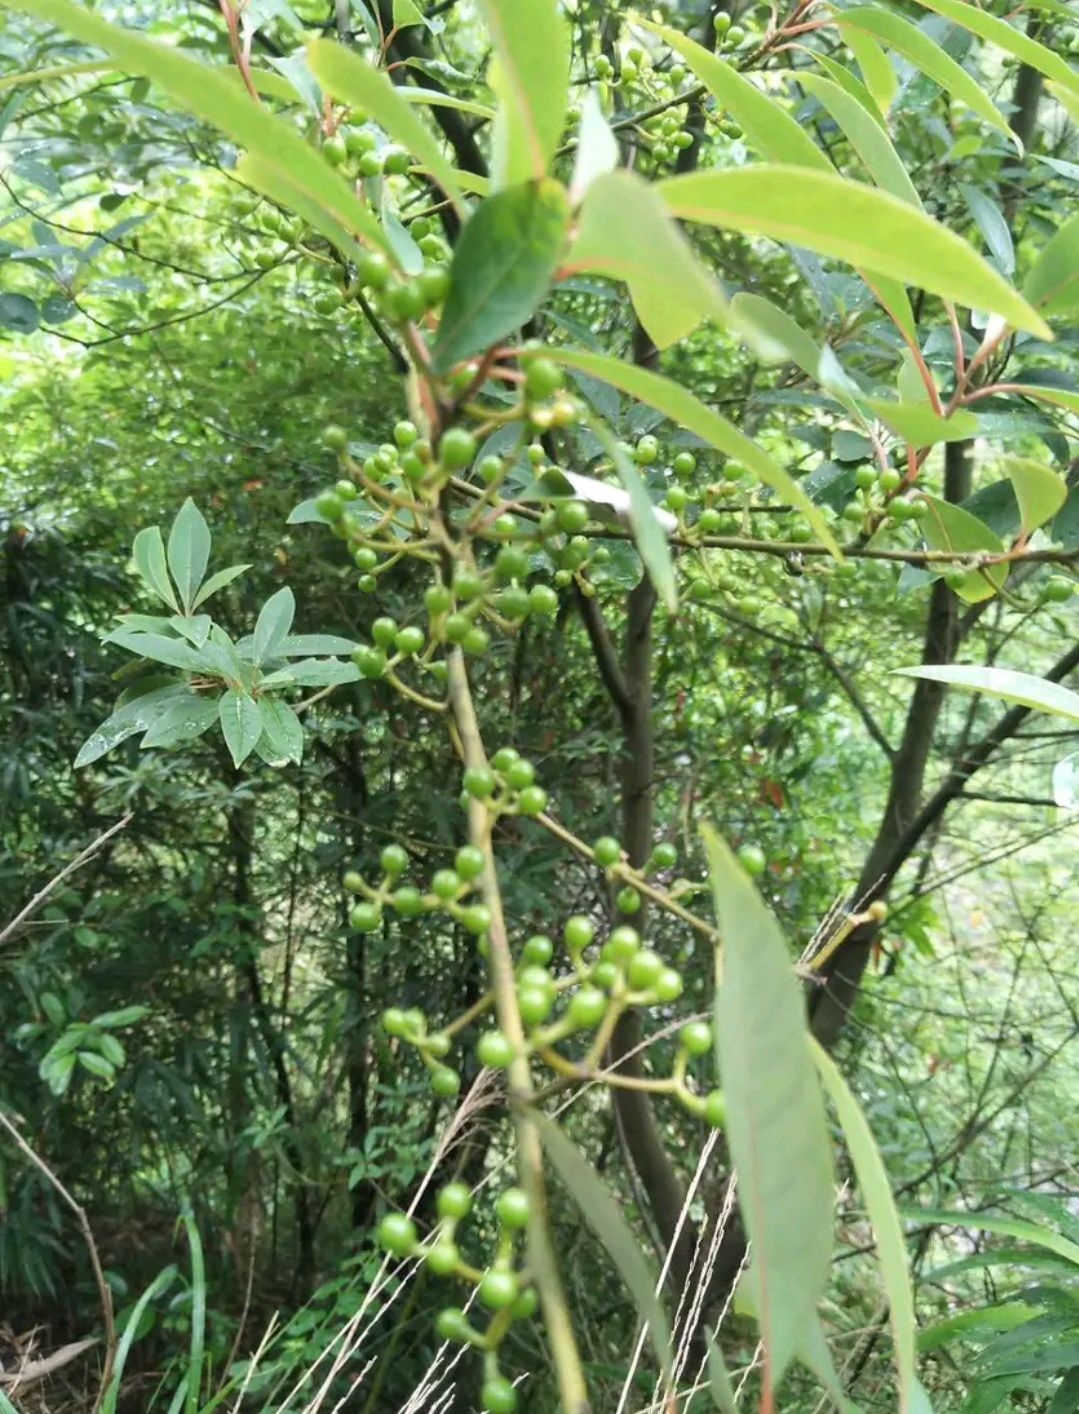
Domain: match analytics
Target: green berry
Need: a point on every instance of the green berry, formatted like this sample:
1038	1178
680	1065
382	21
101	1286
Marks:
442	1258
407	902
437	599
336	438
394	860
404	434
479	782
446	883
542	378
476	641
735	36
715	1108
396	162
605	974
393	1021
456	627
578	933
539	949
542	599
512	1207
573	516
533	1003
751	858
410	640
607	851
532	800
370	164
684	465
374	270
644	969
456	448
498	1396
710	522
452	1324
468	862
353	881
467	585
397	1233
955	579
445	1082
498	1289
454	1201
365	917
647	450
587	1006
525	1305
669	985
504	758
664	855
696	1038
1058	590
628	900
334	150
494	1049
721	22
329	505
384	632
476	918
520	773
511	562
622	945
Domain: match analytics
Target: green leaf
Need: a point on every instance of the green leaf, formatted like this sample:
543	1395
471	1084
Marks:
767	125
648	535
776	1125
1053	283
281	156
128	720
189	551
159	649
877	73
352	80
96	1065
918	424
126	1016
870	229
994	228
1062	397
887	1229
949	527
196	630
1066	1398
846	80
605	1218
320	672
182	720
530	75
273	624
1005	36
305	645
1039	490
436	99
926	55
502	268
148	553
1044	696
53	1008
405	13
626	233
19	312
281	729
218	581
719	1381
241	724
866	136
597	149
775	335
688	412
976	1324
157	1287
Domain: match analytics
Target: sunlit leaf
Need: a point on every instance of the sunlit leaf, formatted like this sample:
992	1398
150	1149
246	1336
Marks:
918	424
877	73
1039	490
597	149
530	75
1053	283
648	535
1013	41
949	527
1028	690
866	136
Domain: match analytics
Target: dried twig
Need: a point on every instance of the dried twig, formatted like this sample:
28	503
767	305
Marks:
77	863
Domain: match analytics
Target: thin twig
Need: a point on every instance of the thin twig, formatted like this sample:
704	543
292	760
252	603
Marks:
80	859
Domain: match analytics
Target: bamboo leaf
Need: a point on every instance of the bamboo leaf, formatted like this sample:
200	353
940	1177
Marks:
688	412
776	1125
605	1219
870	229
1031	691
530	75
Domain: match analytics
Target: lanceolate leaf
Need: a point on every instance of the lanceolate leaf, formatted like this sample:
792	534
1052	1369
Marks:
768	126
990	1222
211	94
148	553
159	649
765	323
349	78
502	266
877	73
1039	490
531	76
184	719
241	724
916	46
281	729
776	1125
605	1219
648	534
128	720
189	551
1013	41
1053	284
887	1229
218	581
626	233
918	424
597	148
320	672
274	622
870	229
949	527
866	136
1024	688
994	228
689	412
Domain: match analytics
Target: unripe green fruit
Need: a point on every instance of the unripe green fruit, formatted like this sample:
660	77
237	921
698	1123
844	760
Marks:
435	284
334	150
520	773
468	862
539	949
437	599
414	469
396	162
562	578
384	632
578	933
542	599
442	1258
476	918
865	477
434	249
715	1108
439	1045
456	627
684	465
607	851
334	437
498	1396
751	858
605	974
721	22
454	1201
494	1049
647	450
498	1289
669	985
467	585
664	855
622	945
587	1007
365	559
370	164
889	479
512	1207
1058	590
445	1082
329	505
407	902
955	579
710	522
644	969
365	917
476	641
346	490
452	1324
534	1004
397	1233
405	434
854	511
676	499
735	36
504	758
490	469
353	881
676	73
456	448
542	378
359	141
696	1038
479	782
393	1021
405	301
367	584
628	900
265	259
374	270
410	640
532	800
602	67
572	516
511	562
446	883
525	1305
394	860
